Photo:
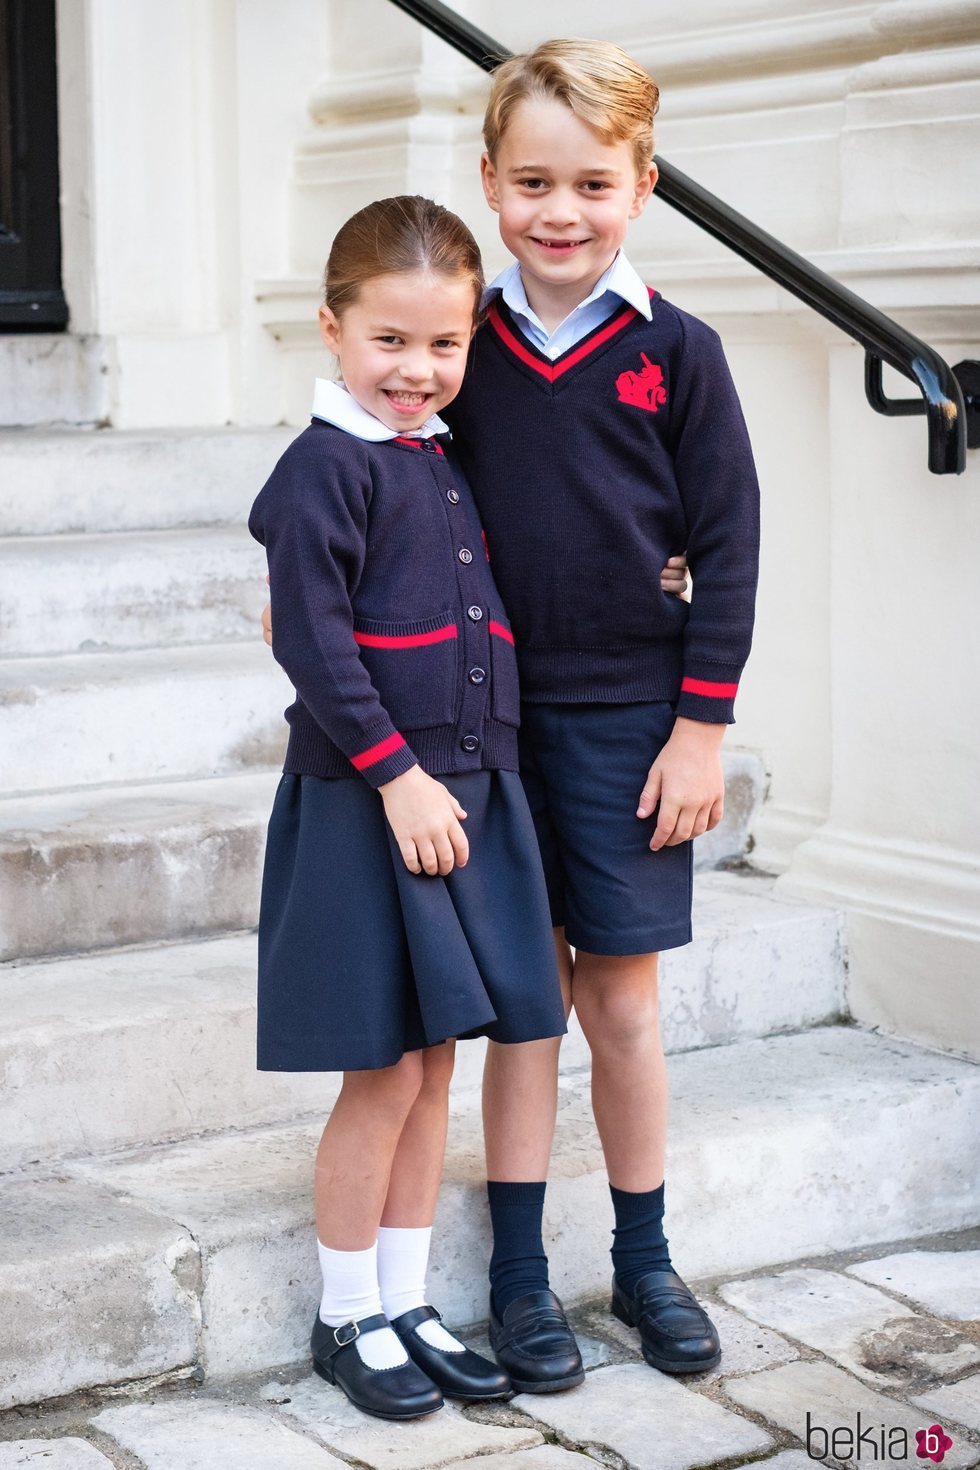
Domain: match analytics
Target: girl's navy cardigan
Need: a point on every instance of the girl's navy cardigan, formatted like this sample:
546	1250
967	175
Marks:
589	472
385	613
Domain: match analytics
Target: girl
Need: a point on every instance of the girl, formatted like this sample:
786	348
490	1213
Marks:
381	936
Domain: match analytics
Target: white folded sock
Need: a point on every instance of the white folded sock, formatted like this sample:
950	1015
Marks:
403	1259
350	1292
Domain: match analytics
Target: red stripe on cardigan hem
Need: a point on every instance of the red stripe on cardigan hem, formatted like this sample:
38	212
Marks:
500	631
375	753
711	691
406	640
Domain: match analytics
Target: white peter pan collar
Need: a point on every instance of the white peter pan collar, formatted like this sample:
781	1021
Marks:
333	403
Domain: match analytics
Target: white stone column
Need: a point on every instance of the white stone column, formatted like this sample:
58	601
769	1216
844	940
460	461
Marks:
901	847
149	185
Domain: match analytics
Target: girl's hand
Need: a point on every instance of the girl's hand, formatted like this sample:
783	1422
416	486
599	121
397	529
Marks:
688	781
673	578
425	816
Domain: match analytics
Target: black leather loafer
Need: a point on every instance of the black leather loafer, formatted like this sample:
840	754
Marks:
463	1375
387	1393
535	1345
676	1335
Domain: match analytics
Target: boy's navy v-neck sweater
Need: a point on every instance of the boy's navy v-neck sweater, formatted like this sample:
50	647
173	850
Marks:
589	472
386	617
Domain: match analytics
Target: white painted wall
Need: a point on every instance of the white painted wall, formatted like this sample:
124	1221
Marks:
211	149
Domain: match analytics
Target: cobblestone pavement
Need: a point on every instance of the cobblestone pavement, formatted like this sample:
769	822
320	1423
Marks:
855	1359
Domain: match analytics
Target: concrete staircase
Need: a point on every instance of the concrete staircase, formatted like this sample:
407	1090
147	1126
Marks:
155	1189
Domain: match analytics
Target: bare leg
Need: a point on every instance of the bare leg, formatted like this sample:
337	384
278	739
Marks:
413	1185
616	1000
358	1146
520	1097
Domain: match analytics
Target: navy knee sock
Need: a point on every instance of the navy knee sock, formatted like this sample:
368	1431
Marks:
518	1264
639	1244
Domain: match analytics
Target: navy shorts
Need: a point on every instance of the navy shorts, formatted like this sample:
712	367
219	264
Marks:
583	767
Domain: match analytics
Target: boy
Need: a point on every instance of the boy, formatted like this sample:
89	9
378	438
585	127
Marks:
601	432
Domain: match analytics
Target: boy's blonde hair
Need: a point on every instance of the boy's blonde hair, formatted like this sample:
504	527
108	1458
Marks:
601	84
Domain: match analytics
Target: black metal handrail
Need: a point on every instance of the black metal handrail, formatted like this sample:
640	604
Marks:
952	416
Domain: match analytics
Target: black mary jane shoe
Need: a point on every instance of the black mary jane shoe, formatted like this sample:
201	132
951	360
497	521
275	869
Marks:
461	1375
533	1342
387	1393
676	1334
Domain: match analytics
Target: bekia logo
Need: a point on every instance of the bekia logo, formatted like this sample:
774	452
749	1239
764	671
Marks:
933	1443
860	1441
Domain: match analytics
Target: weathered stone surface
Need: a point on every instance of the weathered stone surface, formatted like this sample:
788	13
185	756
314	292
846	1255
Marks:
196	1434
155	714
248	1201
63	481
753	1128
113	1050
746	1347
51	1454
545	1457
82	594
957	1401
94	1291
834	1399
424	1445
46	378
871	1334
127	865
946	1283
651	1420
787	1460
757	964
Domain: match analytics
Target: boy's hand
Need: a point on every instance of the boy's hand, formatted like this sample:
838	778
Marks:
688	781
673	578
267	620
425	816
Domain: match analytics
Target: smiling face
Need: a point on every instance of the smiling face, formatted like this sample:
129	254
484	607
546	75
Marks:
565	199
402	344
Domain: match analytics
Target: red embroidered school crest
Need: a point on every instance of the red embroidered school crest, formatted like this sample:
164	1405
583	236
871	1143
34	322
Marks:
643	389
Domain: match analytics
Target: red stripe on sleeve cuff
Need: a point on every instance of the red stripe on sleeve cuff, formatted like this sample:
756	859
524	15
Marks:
705	687
377	752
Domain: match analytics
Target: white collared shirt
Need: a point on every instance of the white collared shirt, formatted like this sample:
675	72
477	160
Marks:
334	403
619	283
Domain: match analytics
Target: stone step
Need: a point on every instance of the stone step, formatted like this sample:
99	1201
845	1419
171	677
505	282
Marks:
141	1045
202	1252
59	481
87	869
150	715
129	589
53	378
91	868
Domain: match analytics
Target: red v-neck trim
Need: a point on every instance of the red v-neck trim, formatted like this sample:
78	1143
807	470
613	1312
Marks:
552	371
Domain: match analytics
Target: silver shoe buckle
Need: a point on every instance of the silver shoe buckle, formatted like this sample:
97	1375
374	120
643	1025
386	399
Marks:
354	1330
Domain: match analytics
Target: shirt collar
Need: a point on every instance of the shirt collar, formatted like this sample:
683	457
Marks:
333	403
620	278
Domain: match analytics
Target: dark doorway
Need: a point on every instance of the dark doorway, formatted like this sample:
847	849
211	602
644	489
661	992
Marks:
31	298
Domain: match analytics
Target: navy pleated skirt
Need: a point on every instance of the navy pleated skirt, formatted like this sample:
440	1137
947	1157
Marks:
361	960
